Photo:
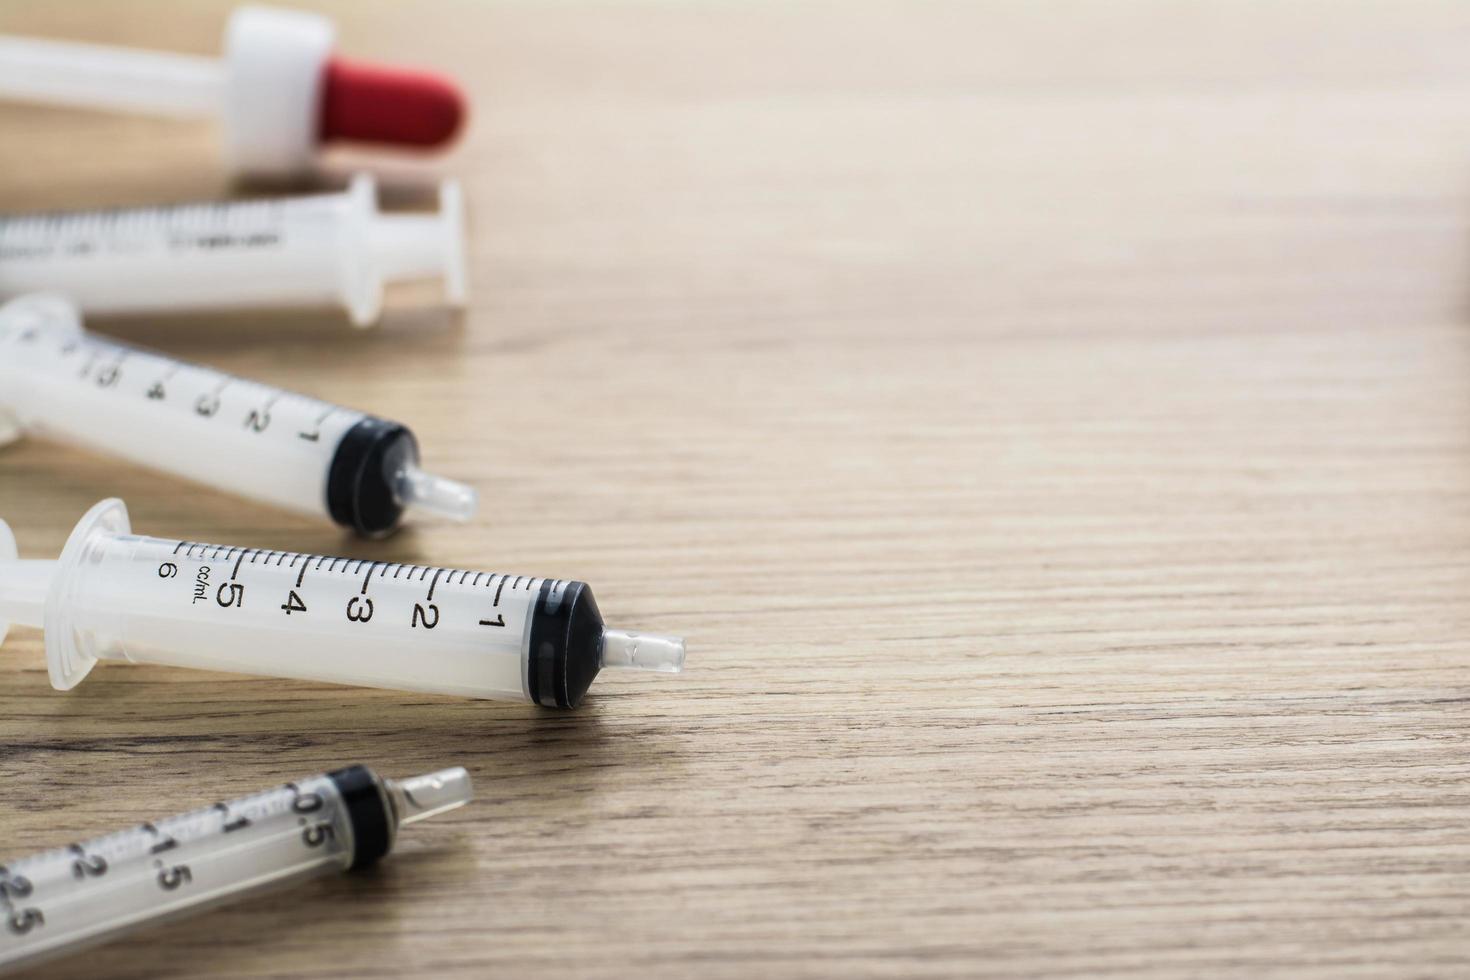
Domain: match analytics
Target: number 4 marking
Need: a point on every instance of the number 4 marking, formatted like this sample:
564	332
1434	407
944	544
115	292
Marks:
497	621
293	603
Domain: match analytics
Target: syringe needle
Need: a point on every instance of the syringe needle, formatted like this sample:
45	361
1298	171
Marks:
642	651
435	494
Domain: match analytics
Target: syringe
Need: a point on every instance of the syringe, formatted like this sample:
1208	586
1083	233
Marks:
113	595
57	901
317	250
250	439
279	92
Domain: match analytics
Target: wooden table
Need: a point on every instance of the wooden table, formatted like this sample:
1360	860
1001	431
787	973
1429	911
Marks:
1050	427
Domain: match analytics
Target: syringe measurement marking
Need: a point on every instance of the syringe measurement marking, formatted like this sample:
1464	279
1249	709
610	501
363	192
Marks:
361	607
227	825
316	435
165	843
130	845
86	866
19	921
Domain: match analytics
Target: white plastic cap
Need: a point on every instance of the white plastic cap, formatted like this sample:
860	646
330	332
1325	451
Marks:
274	68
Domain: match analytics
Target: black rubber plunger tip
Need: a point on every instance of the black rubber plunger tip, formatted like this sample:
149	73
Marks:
360	490
566	644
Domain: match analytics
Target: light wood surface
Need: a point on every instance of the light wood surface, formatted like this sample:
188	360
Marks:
1049	424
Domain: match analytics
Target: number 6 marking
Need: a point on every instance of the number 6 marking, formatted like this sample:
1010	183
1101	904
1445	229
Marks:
24	920
171	878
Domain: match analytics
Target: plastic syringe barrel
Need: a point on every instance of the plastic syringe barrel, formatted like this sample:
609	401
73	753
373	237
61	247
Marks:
238	436
319	250
62	900
114	595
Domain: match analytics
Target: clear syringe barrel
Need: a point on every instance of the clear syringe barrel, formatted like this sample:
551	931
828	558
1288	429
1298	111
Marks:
84	893
316	250
250	439
117	596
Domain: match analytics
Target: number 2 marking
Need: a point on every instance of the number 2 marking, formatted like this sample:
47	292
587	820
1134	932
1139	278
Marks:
84	866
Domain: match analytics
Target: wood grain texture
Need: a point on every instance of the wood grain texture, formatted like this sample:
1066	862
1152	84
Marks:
1047	423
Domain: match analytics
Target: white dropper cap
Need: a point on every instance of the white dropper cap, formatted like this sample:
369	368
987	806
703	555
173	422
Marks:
268	91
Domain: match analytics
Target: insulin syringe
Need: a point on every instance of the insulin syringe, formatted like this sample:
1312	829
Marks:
58	901
59	381
326	250
113	595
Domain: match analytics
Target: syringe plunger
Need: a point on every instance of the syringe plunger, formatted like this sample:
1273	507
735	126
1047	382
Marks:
23	585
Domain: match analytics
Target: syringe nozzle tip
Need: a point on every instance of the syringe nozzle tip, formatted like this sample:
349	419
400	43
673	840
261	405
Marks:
421	797
642	651
435	494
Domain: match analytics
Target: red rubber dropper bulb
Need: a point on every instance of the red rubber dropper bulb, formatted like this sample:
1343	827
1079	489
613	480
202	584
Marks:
369	103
